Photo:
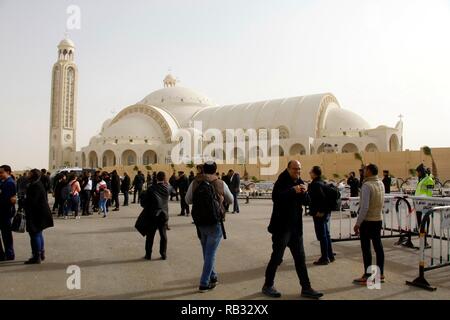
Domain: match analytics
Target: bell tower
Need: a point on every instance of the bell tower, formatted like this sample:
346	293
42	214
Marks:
63	108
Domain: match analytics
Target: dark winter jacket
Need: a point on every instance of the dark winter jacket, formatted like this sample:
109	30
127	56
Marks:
317	197
115	183
125	186
156	208
37	211
287	205
183	184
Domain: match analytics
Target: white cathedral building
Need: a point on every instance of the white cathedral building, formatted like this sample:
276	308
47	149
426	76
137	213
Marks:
141	134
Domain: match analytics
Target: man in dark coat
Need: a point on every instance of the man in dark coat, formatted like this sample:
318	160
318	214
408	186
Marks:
115	189
183	186
45	180
8	201
321	215
138	184
286	226
235	188
354	184
174	186
387	181
38	216
125	188
226	179
155	216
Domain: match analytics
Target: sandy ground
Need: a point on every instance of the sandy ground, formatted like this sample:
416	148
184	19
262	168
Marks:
110	254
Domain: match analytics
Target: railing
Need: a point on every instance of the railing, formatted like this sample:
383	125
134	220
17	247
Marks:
438	220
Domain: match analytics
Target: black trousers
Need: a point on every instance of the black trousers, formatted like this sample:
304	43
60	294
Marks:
85	201
115	199
293	240
151	236
138	192
7	247
183	204
125	198
371	231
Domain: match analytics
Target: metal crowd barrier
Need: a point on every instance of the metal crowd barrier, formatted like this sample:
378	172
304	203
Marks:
399	217
438	253
394	218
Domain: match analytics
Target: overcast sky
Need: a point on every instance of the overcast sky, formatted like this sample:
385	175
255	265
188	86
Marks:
379	58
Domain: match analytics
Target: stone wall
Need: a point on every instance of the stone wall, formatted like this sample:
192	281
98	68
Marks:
398	163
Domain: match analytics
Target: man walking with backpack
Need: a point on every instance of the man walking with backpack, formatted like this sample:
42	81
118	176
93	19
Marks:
207	194
319	208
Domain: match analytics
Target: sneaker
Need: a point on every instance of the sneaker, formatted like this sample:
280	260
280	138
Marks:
311	294
34	260
321	262
361	281
214	281
271	292
207	288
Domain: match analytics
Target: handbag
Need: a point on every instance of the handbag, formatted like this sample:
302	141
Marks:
19	223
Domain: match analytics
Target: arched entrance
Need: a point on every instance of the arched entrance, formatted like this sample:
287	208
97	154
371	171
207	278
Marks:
297	149
109	159
93	159
350	148
129	158
371	147
394	144
149	157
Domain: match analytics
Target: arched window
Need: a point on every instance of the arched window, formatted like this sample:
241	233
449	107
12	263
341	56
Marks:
69	94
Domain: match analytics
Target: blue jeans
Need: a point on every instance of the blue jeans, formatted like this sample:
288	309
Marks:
37	243
321	226
75	204
102	205
210	237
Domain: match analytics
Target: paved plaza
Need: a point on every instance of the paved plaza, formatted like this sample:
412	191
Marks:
110	254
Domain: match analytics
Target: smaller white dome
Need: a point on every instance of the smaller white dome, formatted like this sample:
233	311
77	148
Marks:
106	124
95	139
339	120
66	43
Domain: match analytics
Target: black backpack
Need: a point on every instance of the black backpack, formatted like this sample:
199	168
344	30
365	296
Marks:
333	197
206	206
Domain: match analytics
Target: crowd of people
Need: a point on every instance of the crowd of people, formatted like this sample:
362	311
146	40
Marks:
211	195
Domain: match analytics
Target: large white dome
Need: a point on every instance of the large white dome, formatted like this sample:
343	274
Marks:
181	103
176	96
